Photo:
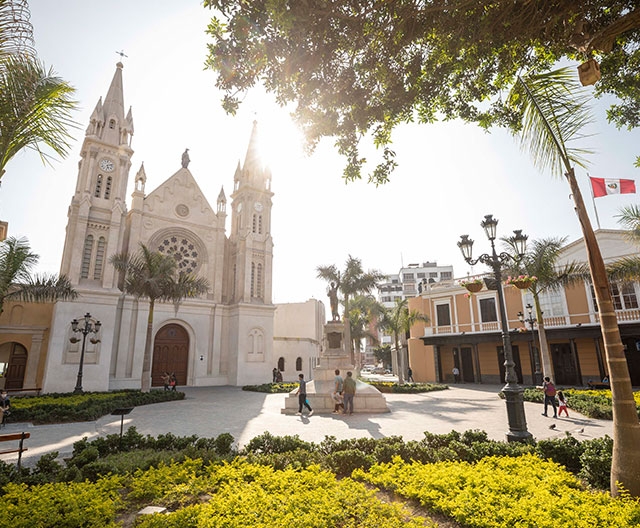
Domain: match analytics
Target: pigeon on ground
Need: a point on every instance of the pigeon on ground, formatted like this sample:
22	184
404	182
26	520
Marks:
552	426
580	430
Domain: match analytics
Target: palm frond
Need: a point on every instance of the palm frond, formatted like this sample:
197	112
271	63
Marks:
35	109
43	288
555	110
629	219
626	269
16	261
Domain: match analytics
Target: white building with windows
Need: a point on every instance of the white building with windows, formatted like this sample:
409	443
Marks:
410	281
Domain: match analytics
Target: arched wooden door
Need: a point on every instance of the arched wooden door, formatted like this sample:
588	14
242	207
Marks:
170	354
17	367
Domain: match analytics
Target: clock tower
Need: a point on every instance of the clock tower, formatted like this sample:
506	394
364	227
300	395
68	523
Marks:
96	217
252	246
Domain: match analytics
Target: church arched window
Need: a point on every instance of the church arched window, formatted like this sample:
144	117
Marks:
253	278
281	364
254	227
97	269
299	363
98	186
107	188
260	224
112	123
259	281
86	257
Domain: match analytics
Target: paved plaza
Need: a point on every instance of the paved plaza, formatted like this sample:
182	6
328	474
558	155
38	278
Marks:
210	411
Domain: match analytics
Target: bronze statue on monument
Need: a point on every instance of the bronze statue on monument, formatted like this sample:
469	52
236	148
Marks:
332	293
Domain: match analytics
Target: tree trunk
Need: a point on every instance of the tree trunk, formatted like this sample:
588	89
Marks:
545	356
399	360
625	464
145	381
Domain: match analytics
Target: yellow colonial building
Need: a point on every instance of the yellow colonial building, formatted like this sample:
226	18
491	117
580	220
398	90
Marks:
465	331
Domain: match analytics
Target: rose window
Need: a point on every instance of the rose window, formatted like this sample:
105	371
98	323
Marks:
183	251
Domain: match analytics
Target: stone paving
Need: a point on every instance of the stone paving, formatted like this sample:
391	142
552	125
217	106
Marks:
210	411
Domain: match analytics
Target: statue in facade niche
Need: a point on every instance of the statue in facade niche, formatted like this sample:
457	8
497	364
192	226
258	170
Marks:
185	159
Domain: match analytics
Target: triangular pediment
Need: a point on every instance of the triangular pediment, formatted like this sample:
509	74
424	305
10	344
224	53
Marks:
180	197
614	244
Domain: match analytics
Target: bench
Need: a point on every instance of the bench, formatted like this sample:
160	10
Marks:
598	384
20	391
12	437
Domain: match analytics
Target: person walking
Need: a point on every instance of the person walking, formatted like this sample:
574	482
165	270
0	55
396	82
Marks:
562	404
348	392
274	375
549	396
337	392
5	405
302	395
410	375
166	378
456	374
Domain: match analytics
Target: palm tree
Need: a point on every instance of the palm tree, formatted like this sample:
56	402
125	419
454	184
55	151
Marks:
35	109
363	310
154	276
555	111
398	321
628	268
540	261
353	280
18	284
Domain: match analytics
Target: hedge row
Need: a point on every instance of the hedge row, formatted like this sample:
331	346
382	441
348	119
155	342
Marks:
69	407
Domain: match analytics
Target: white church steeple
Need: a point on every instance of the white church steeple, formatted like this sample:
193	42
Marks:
98	206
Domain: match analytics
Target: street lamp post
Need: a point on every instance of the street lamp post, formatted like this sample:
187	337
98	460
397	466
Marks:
531	321
88	328
513	392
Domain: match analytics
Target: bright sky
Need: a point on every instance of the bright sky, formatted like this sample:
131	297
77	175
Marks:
450	174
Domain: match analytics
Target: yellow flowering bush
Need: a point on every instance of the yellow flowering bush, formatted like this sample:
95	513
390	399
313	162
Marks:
504	492
68	505
247	495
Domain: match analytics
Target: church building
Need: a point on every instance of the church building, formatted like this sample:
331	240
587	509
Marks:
222	338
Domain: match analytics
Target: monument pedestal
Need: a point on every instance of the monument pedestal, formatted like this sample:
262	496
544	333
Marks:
368	399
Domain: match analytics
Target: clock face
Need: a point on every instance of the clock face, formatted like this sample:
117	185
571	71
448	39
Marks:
106	165
257	206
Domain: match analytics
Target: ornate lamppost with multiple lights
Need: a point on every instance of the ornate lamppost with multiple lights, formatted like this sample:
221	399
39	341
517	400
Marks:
535	352
86	329
513	392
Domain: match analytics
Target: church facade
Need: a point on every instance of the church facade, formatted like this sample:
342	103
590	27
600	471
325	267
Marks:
222	338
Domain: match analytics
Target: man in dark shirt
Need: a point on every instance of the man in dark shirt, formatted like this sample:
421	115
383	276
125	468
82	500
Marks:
302	396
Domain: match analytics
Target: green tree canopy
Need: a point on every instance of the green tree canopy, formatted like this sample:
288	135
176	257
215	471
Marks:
358	69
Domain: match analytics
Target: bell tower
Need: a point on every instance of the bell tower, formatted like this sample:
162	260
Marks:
250	237
96	217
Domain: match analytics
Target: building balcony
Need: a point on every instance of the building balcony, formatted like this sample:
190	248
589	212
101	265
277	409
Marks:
566	321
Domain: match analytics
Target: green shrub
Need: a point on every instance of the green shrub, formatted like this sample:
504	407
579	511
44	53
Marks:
271	388
64	408
595	462
591	403
566	451
268	444
407	388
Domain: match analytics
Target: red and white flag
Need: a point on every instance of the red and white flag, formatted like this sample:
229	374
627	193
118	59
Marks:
605	186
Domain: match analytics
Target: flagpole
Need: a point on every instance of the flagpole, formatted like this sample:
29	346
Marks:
593	200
